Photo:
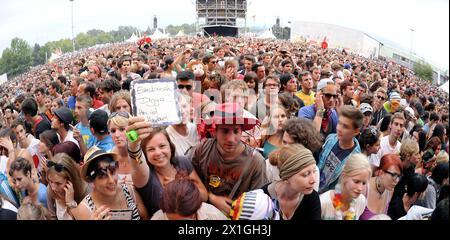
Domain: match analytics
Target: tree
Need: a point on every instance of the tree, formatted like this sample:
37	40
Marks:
423	70
17	59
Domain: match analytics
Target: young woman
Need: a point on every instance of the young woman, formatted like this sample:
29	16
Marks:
162	165
369	141
32	191
48	105
272	130
252	82
294	194
181	201
381	187
65	187
428	162
347	202
120	102
100	169
117	123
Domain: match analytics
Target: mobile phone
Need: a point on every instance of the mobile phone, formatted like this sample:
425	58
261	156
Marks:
120	214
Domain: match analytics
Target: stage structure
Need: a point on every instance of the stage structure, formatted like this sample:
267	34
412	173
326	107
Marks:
221	17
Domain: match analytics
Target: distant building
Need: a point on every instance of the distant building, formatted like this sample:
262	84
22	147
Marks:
360	43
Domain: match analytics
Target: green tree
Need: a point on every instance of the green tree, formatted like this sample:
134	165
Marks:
423	70
16	59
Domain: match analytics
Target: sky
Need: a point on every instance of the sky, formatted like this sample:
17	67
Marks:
48	20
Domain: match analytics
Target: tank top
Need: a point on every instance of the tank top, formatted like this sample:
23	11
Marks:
131	203
367	214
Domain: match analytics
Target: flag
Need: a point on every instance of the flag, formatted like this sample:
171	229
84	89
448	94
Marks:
324	43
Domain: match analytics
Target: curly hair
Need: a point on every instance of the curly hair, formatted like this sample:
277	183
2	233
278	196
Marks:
302	131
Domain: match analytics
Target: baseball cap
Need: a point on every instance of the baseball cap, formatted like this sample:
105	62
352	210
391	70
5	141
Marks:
98	121
323	83
365	107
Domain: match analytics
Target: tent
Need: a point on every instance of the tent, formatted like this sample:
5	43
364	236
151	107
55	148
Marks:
180	34
267	35
444	87
158	35
3	78
133	38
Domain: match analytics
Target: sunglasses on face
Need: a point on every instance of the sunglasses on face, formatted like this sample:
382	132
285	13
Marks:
381	98
329	95
103	172
58	167
188	87
122	114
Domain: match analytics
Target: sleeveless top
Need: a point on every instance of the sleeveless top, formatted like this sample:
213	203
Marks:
367	214
129	197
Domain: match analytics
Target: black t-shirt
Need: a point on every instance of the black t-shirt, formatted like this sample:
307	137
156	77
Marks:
42	126
309	208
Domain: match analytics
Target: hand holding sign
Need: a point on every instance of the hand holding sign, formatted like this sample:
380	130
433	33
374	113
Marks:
156	101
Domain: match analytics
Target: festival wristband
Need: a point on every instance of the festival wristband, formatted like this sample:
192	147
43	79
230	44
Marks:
132	136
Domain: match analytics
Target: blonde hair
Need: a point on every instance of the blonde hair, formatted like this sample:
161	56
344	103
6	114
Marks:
231	86
355	164
408	148
71	172
125	95
31	211
442	157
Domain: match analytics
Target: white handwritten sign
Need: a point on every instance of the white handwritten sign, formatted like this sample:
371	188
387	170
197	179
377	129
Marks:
156	100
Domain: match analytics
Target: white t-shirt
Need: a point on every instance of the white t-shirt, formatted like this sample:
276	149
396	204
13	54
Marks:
385	148
70	138
328	210
183	143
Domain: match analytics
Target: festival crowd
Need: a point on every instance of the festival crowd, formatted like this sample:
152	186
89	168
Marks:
270	130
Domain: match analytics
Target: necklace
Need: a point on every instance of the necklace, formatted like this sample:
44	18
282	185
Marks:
377	187
338	204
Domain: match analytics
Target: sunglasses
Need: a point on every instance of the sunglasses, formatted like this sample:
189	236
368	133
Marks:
394	176
329	95
381	98
58	167
103	172
188	87
121	114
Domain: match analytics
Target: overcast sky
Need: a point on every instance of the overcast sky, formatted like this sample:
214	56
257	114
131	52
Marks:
47	20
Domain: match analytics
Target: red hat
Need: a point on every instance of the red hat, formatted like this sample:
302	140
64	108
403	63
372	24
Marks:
232	114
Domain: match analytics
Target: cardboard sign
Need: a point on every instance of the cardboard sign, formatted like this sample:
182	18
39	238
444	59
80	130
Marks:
156	100
119	214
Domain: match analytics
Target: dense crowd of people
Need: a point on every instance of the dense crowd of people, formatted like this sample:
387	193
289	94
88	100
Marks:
270	129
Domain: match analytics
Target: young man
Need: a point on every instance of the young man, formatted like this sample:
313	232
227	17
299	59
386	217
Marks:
315	75
393	104
322	112
262	107
25	140
106	90
73	92
61	124
200	102
53	90
98	121
249	60
124	66
226	166
82	132
39	95
88	88
347	92
390	144
338	147
379	112
306	94
367	111
39	123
